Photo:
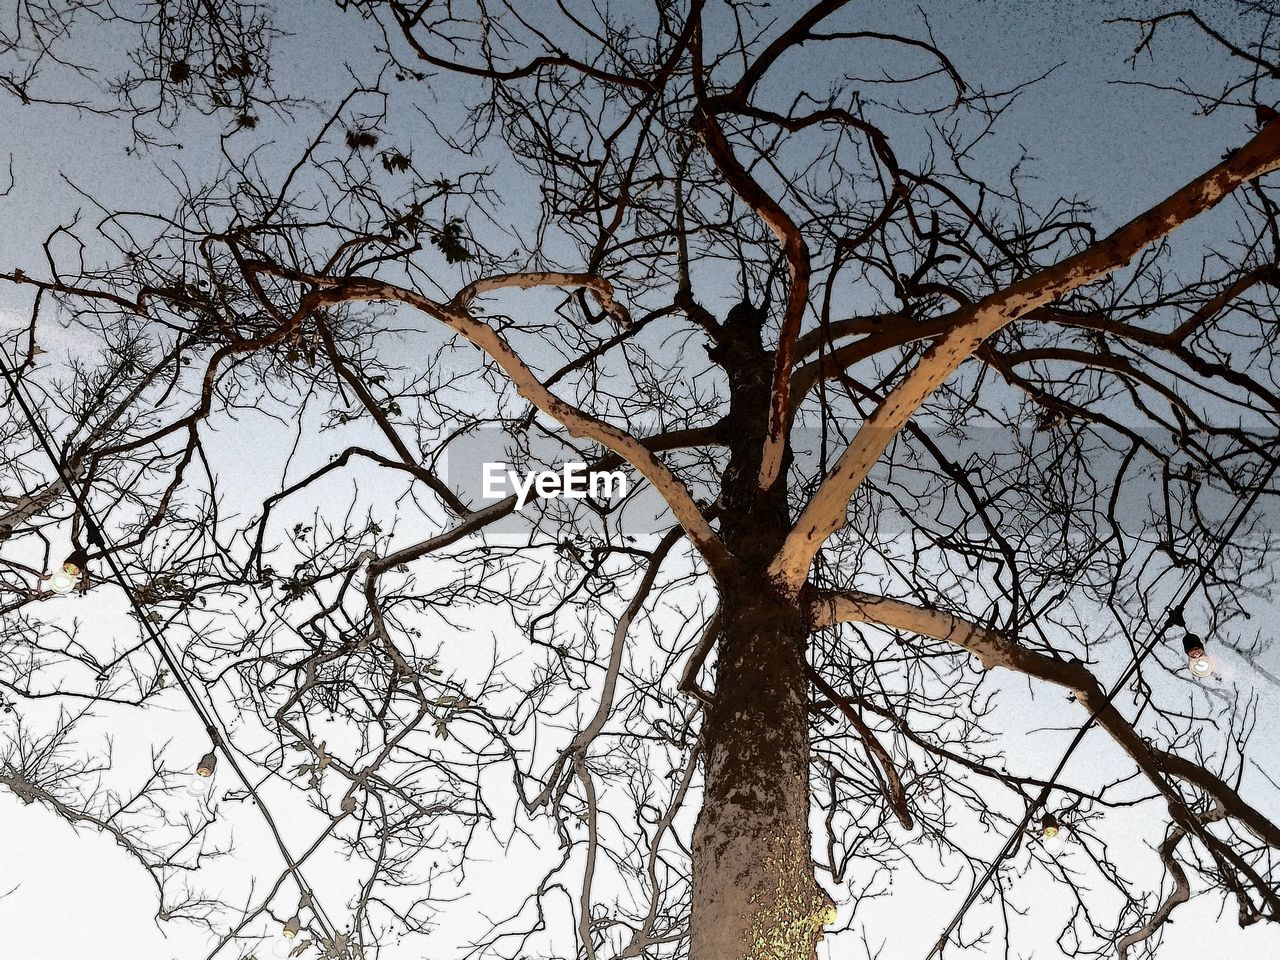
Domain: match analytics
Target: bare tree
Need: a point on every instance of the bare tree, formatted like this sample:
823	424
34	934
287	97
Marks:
908	437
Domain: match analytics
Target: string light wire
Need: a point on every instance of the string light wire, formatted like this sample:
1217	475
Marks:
1174	619
207	713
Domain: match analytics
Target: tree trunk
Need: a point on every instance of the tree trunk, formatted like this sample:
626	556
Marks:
754	892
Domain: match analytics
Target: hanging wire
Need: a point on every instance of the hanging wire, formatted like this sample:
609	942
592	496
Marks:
1174	619
207	713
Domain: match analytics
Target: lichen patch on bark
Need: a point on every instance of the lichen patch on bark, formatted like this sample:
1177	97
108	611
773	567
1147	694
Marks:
789	926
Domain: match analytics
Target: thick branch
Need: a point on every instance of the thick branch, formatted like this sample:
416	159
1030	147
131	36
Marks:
996	650
1181	893
576	421
794	250
825	513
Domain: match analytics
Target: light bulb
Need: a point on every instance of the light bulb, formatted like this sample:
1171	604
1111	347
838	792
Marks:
71	574
202	779
1201	665
1052	836
63	582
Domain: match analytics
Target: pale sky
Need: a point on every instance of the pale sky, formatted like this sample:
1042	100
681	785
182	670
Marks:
66	894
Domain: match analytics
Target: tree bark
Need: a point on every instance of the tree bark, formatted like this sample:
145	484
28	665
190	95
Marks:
754	892
755	896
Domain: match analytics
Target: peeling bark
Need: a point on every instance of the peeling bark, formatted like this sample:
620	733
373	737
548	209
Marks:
825	512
